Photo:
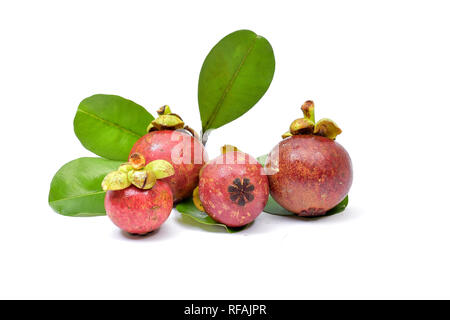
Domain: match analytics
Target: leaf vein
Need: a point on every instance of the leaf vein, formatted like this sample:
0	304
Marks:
110	123
79	196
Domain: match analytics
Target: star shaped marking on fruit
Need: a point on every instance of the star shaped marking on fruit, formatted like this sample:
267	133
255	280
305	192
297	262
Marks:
241	192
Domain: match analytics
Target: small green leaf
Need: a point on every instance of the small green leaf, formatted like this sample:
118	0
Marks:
273	207
110	125
339	208
76	188
234	76
187	208
262	159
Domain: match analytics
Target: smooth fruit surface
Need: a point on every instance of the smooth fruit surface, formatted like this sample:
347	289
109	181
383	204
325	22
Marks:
139	211
233	189
184	152
312	174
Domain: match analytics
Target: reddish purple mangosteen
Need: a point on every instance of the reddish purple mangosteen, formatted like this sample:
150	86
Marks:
139	211
136	200
309	172
233	188
182	149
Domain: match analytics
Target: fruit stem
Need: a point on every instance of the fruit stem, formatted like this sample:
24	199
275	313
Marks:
205	136
308	110
137	161
164	110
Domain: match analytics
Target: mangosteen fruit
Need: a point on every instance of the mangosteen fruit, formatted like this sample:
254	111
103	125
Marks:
309	172
136	201
169	139
233	188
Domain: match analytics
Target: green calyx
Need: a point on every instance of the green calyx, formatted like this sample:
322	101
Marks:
306	125
169	121
301	126
166	120
142	179
116	180
161	168
136	173
327	128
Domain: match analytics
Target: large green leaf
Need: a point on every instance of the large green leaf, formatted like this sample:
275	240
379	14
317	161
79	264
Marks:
109	125
76	188
187	208
273	207
234	76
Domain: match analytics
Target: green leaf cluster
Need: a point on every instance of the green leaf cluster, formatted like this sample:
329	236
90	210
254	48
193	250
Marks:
107	125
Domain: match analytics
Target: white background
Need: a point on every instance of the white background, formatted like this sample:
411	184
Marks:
380	69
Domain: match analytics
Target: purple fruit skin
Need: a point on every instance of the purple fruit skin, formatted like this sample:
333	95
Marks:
163	145
314	174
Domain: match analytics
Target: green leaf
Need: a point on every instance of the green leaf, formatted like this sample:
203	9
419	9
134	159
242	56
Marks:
262	159
273	207
110	125
187	208
339	208
234	76
76	188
